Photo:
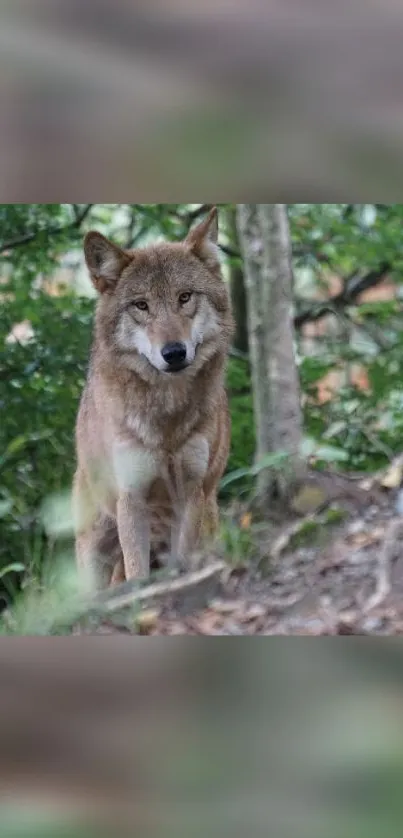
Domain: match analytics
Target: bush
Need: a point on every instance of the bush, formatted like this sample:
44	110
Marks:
41	384
241	408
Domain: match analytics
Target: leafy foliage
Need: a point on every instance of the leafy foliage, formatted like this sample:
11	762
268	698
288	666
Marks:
41	380
40	389
243	431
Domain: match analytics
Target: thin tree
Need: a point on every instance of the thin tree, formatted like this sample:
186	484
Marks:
265	244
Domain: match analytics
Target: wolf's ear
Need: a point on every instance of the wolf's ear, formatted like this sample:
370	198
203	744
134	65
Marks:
105	261
202	240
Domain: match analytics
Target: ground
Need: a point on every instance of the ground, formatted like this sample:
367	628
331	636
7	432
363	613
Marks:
334	587
331	572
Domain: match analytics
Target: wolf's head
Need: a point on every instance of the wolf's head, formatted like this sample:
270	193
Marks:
163	308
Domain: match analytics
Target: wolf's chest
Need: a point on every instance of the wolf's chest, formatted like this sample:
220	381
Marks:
161	472
158	431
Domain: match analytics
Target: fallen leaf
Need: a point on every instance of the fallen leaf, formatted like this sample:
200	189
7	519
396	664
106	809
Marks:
254	612
246	521
393	477
176	628
222	606
147	620
364	539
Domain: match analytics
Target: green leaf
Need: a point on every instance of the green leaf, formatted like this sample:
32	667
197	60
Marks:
15	567
21	441
16	445
274	461
311	448
233	476
5	506
313	369
335	429
331	455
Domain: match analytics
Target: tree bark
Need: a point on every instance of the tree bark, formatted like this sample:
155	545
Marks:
252	249
265	243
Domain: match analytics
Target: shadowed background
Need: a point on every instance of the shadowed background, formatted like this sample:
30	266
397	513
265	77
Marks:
282	740
290	100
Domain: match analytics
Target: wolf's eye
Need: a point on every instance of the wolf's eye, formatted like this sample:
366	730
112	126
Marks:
141	305
184	298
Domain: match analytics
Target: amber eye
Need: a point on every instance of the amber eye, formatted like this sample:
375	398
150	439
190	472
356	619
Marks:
184	298
141	305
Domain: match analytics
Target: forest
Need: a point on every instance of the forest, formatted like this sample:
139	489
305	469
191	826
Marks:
311	500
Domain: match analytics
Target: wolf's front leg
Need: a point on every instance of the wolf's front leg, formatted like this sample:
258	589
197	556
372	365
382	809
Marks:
135	469
96	538
134	535
190	526
191	468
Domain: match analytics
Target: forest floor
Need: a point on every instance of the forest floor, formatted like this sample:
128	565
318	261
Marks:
335	571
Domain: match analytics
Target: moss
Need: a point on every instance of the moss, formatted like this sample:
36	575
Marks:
307	534
334	515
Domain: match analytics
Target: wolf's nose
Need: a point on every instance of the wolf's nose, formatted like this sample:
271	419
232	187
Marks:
174	354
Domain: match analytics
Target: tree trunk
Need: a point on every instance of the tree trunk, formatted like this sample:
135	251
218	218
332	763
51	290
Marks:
265	244
252	249
237	287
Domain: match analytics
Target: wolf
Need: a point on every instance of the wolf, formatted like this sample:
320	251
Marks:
153	426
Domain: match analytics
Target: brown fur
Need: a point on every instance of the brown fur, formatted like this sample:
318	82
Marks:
152	445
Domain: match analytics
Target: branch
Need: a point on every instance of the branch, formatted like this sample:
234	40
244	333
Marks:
131	235
51	231
190	592
353	287
303	250
374	331
190	216
80	217
386	558
348	212
230	251
193	214
314	313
